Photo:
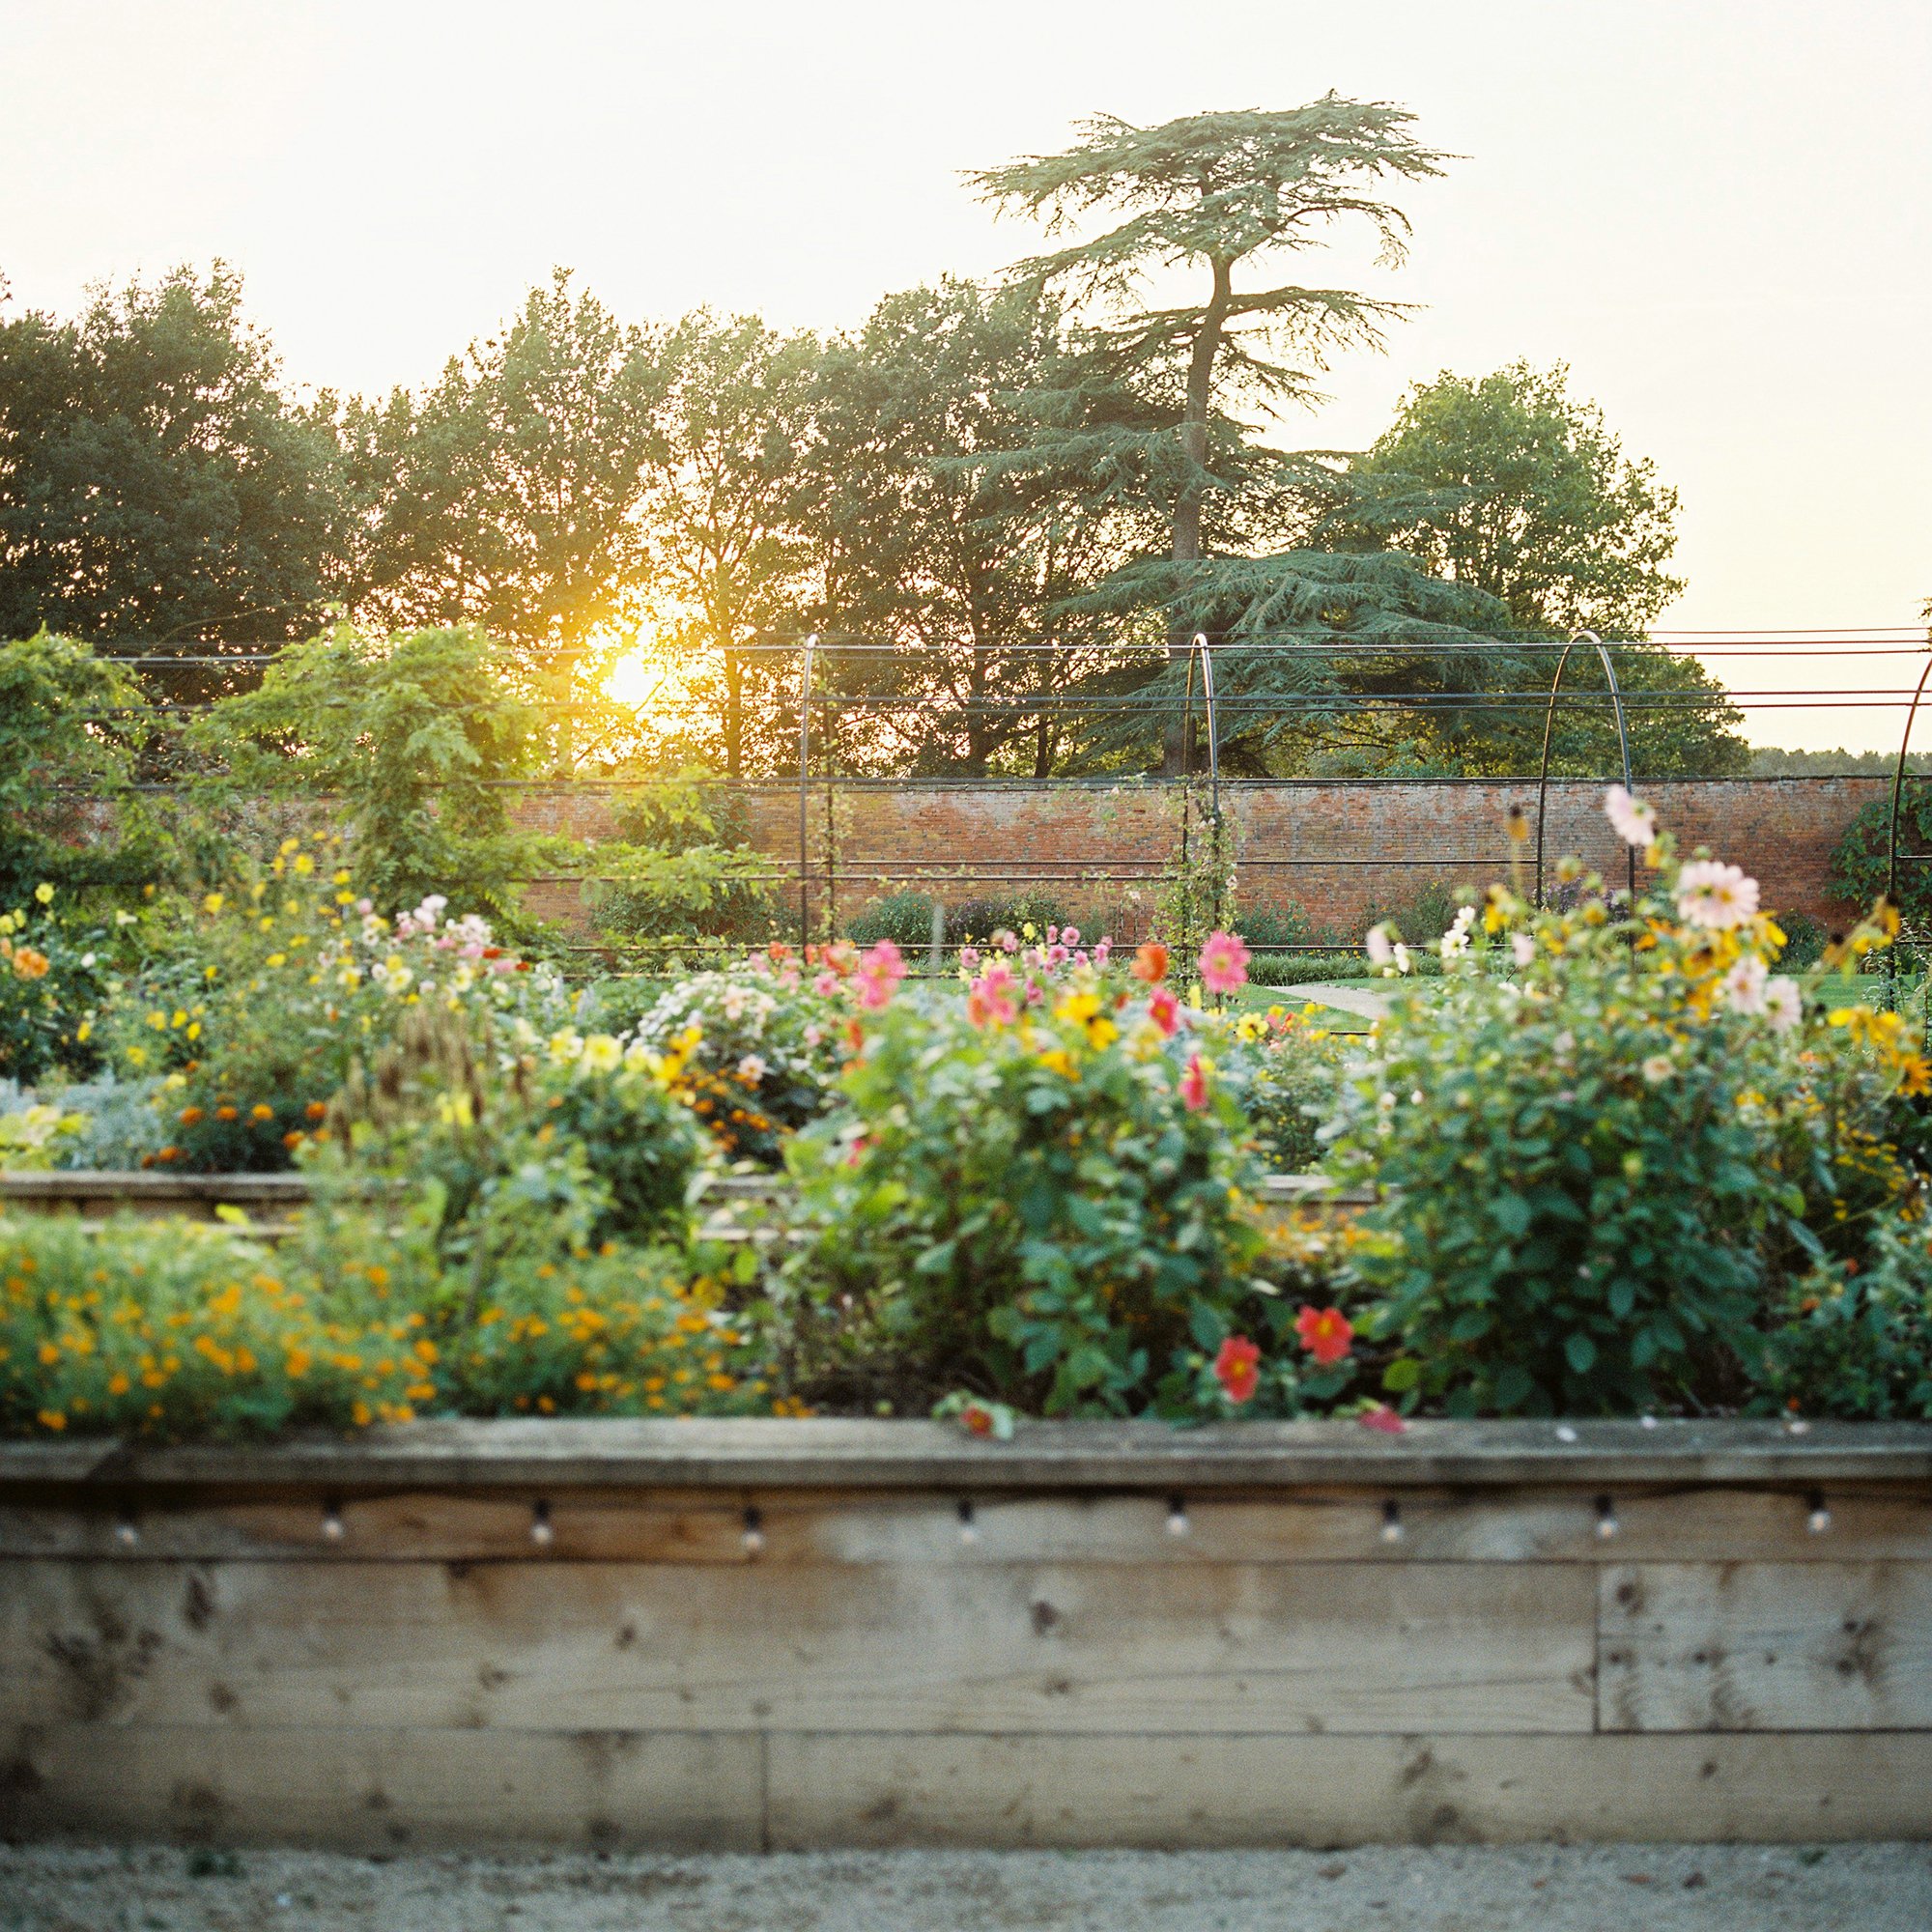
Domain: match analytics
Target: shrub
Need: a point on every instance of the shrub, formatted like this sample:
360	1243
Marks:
254	1014
51	979
764	1048
978	918
184	1328
905	918
1592	1169
1287	1072
1046	1199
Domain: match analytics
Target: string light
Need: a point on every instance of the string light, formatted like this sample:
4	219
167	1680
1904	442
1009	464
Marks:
332	1527
1177	1524
755	1533
126	1532
1607	1519
1392	1523
542	1532
969	1529
1819	1519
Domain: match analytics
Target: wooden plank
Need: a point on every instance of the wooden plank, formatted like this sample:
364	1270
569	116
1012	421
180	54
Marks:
1765	1647
378	1790
1098	1647
825	1453
1174	1792
1330	1524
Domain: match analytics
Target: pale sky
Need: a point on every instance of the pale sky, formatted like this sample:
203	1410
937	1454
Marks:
1718	212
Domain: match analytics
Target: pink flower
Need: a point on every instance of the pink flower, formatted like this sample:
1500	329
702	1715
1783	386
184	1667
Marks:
1381	952
1007	942
1069	935
1238	1368
1057	955
1783	1003
825	984
1101	953
1522	948
1164	1009
880	971
989	999
1052	935
1635	819
1379	1415
1194	1084
1224	963
1715	895
969	957
1743	985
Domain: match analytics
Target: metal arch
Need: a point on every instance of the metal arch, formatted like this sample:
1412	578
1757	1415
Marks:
1899	788
1202	651
1549	729
803	801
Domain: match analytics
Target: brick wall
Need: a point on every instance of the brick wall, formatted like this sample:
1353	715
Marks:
1342	851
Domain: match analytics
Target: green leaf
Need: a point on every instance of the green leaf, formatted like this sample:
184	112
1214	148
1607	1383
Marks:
1401	1375
1580	1352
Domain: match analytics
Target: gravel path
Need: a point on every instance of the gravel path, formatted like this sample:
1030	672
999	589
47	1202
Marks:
1551	1889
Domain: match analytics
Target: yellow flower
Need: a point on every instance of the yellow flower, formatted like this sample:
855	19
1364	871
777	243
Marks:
44	893
1058	1060
214	902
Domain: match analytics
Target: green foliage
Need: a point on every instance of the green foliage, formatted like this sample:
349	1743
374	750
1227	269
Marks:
1593	1173
679	870
1287	1072
157	482
255	1011
1861	865
1031	1209
1856	1338
506	496
905	918
72	730
1510	484
51	976
760	1047
406	742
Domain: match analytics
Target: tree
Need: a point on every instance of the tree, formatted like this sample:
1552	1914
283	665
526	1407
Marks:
1510	485
1216	192
932	541
155	483
507	495
725	557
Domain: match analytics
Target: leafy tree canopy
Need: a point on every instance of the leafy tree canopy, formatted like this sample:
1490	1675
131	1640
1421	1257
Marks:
156	482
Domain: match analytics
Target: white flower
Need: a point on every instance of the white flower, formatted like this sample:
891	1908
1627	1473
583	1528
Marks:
396	976
1453	944
1658	1068
1381	952
751	1069
565	1047
734	1001
1385	1100
601	1053
1635	819
1401	958
1783	1004
1743	985
1522	948
1716	895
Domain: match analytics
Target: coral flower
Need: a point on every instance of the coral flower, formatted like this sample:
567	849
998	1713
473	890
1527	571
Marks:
1381	1416
1164	1009
1150	963
1194	1084
1224	963
29	964
990	998
1327	1333
880	971
1238	1368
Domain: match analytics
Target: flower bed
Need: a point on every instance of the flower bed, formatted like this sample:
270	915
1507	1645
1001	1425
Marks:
797	1634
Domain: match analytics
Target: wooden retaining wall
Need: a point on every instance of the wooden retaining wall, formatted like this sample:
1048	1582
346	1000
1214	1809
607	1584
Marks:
789	1635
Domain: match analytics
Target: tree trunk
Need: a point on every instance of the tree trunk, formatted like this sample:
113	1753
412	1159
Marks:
1186	546
734	714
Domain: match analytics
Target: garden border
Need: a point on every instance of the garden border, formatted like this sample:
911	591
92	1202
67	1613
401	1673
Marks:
784	1634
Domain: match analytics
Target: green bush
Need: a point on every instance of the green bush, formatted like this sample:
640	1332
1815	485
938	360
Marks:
1287	1072
905	918
1054	1209
1596	1164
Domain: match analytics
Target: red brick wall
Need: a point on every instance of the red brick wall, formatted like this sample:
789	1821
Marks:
1341	851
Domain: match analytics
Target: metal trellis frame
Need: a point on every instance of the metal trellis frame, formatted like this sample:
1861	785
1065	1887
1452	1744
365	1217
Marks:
1616	695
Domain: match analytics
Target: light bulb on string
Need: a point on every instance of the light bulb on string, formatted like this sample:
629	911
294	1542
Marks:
1608	1524
333	1529
755	1533
1177	1524
1818	1517
543	1532
1393	1529
126	1533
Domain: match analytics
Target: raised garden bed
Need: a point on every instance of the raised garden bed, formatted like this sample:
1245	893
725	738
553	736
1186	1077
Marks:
794	1633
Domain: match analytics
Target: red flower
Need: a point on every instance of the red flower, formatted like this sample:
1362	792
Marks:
1238	1368
1194	1085
1383	1417
1164	1009
977	1419
1150	963
1327	1333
